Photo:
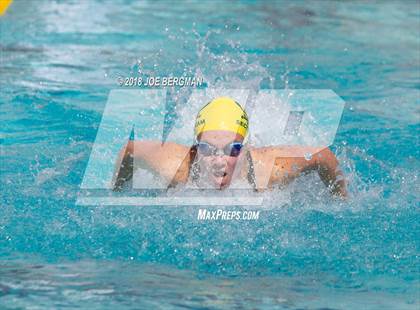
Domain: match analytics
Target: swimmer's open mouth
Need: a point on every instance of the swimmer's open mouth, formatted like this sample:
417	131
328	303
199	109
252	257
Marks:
219	174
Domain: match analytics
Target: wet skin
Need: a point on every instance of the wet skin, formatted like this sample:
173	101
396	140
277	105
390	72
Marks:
271	166
218	169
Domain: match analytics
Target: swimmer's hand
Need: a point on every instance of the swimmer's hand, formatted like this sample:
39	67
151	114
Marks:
326	164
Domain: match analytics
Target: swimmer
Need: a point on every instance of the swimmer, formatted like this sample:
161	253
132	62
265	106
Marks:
220	155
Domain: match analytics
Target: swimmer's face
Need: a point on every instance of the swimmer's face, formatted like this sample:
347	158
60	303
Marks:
218	168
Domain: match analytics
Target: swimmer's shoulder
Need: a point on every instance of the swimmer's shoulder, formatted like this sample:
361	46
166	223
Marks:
279	164
268	154
167	149
170	160
262	162
264	156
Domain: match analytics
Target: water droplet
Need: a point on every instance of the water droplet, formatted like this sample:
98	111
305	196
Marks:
308	156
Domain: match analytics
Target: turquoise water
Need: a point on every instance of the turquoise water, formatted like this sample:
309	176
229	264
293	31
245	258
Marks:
60	59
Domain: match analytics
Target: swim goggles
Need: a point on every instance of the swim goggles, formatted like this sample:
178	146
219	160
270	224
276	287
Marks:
232	149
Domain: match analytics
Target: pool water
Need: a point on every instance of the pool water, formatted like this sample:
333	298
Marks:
59	61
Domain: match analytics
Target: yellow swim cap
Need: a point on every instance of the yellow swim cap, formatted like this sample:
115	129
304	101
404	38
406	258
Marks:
222	113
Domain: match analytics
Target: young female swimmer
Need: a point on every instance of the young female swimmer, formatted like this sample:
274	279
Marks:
221	155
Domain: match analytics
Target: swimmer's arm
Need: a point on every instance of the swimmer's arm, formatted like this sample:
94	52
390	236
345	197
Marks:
290	162
168	160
